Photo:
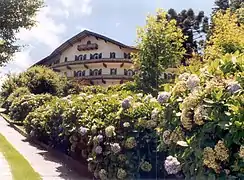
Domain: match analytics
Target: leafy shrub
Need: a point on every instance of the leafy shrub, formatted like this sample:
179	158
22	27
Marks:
16	94
43	80
27	103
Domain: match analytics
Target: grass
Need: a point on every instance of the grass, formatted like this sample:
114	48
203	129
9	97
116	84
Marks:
20	168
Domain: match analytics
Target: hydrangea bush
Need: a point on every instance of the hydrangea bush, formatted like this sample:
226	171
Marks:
202	128
25	104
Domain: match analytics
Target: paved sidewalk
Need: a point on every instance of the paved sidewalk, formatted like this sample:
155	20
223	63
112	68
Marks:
41	161
5	172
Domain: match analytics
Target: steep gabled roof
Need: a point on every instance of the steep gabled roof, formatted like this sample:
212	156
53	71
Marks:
76	39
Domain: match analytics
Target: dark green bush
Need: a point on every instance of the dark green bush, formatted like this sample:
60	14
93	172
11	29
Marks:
25	104
41	80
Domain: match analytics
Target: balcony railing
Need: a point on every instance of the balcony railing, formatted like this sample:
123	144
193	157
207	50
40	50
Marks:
104	76
90	61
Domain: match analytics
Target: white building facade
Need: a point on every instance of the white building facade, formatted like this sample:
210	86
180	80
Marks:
93	58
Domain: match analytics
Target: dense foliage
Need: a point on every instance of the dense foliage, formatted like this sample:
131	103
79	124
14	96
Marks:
160	45
15	14
227	36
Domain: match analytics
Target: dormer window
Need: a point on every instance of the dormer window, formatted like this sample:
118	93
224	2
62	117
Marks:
65	59
88	42
112	55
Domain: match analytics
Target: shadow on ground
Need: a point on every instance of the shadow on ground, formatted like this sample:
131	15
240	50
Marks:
64	166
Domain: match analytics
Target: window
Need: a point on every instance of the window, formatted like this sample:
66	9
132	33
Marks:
65	59
127	56
56	62
130	72
95	56
88	42
96	72
112	55
113	71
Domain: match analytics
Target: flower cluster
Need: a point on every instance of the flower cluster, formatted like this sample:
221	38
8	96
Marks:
241	152
233	87
154	115
98	150
209	159
166	137
100	138
115	147
172	165
130	143
103	175
163	97
222	153
83	131
146	166
126	124
121	174
110	131
126	103
199	115
184	76
192	82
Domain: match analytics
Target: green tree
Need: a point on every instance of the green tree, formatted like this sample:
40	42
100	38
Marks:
193	26
15	14
160	44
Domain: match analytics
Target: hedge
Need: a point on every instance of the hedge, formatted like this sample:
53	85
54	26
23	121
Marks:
194	130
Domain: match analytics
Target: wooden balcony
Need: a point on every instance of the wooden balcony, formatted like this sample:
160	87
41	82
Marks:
104	76
91	61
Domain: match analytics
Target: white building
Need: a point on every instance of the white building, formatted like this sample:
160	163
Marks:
93	58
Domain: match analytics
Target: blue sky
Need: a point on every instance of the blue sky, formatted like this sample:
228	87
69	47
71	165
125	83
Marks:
59	20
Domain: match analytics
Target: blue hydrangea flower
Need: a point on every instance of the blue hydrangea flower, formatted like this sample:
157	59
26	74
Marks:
233	87
163	97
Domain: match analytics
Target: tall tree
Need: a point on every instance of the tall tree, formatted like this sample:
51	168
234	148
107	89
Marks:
160	44
225	4
227	36
193	26
15	14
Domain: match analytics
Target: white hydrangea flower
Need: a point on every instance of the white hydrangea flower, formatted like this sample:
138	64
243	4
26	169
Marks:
126	124
192	82
83	131
98	150
154	115
184	76
172	165
115	147
148	98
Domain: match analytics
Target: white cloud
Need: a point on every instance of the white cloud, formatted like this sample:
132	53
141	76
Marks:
46	31
77	7
117	24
